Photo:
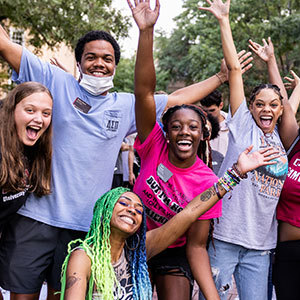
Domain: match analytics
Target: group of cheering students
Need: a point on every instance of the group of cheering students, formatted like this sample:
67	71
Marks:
157	234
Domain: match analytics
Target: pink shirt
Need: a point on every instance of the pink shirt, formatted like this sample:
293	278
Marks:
166	189
288	209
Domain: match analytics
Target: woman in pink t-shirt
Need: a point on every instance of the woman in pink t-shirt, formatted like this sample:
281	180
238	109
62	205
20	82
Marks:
172	174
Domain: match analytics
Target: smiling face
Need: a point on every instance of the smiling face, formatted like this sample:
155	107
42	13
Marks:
98	59
184	135
127	215
266	109
32	117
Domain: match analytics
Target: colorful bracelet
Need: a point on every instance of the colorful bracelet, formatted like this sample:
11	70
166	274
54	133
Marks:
230	179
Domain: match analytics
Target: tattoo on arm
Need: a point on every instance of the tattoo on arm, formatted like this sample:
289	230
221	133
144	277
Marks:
205	196
71	280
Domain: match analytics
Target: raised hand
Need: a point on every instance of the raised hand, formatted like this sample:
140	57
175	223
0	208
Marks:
218	8
249	161
142	13
245	59
293	82
265	52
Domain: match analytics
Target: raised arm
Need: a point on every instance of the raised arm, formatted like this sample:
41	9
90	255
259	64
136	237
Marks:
144	77
266	53
288	126
160	238
221	11
11	52
198	91
291	84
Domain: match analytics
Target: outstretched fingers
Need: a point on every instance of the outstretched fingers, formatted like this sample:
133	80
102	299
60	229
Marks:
245	59
254	46
217	8
269	155
157	6
292	81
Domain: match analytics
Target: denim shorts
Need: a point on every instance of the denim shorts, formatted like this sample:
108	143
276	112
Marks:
32	252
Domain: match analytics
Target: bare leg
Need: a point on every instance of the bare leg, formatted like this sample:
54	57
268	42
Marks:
1	297
14	296
170	287
51	294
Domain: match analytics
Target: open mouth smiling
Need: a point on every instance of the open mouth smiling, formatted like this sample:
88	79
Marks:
266	121
32	131
128	220
184	144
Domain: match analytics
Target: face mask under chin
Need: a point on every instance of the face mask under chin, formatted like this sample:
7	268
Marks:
96	85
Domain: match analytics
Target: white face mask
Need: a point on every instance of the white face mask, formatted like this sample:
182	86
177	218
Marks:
96	85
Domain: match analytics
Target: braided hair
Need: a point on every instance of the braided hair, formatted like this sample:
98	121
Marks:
97	246
204	148
263	86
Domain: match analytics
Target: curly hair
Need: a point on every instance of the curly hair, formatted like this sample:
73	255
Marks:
93	36
214	98
204	147
263	86
15	154
97	247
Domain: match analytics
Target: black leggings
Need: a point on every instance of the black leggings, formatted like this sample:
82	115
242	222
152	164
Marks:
286	271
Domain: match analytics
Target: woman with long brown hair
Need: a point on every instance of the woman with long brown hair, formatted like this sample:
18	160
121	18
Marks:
25	146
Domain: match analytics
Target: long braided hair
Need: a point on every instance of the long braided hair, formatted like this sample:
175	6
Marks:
97	247
204	151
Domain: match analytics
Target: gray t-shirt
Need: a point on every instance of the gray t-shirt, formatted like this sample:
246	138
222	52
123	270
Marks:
248	216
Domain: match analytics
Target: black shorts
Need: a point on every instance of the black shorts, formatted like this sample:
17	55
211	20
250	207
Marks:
169	260
32	252
286	274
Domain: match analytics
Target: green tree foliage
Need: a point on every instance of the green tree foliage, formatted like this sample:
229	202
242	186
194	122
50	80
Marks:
124	79
53	21
193	51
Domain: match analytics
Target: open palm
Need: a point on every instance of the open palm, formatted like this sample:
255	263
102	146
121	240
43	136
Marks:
142	13
265	52
218	8
249	161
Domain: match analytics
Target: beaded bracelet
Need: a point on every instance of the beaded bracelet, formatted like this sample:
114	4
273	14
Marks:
230	179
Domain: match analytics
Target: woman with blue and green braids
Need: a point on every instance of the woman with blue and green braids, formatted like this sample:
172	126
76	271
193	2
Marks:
110	263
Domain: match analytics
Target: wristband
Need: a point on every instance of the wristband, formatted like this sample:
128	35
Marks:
235	168
217	190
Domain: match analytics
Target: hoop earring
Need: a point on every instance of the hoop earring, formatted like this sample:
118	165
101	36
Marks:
136	245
